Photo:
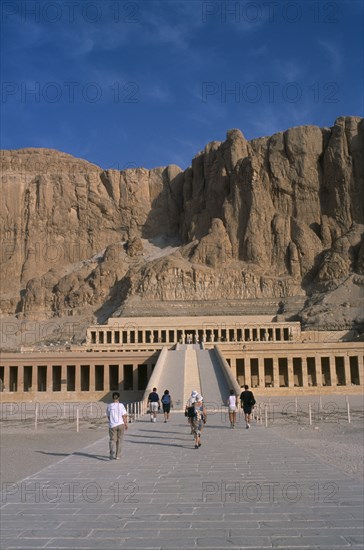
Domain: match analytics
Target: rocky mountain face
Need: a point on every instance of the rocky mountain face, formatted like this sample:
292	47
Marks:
275	217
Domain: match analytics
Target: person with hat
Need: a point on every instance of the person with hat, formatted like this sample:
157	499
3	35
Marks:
198	420
196	414
189	409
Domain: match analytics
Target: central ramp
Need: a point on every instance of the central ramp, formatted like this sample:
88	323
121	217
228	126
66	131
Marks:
215	388
190	368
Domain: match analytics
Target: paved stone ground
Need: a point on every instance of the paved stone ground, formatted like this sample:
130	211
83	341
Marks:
241	489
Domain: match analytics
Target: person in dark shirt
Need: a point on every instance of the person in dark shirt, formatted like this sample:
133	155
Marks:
166	404
247	403
154	404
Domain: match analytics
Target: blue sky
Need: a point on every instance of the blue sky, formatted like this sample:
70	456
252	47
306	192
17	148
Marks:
149	83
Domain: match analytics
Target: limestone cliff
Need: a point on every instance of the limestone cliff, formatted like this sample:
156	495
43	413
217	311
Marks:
273	217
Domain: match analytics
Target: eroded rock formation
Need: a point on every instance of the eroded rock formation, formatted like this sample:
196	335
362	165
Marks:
273	217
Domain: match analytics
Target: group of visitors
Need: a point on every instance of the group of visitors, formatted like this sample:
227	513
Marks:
195	411
154	404
247	402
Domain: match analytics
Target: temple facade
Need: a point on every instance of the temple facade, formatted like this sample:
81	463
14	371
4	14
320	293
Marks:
273	357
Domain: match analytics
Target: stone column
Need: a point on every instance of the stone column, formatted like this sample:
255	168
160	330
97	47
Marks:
318	370
261	373
233	367
49	379
34	379
63	377
275	372
247	371
333	377
290	372
361	369
304	372
135	377
106	377
92	378
77	376
6	378
21	378
347	370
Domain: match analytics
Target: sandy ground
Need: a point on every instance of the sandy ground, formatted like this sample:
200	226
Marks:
25	451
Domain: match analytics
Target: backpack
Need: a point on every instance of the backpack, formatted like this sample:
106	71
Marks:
166	399
191	412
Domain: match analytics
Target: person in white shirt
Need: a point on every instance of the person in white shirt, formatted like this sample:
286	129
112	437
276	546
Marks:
118	422
232	405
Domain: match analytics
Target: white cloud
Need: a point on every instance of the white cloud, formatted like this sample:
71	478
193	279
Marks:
333	53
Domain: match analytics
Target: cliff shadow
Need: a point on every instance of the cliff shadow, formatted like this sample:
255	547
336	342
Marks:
162	225
117	295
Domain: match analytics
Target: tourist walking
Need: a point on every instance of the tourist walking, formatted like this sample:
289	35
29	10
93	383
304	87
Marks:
166	404
196	415
118	422
190	408
232	406
247	403
154	404
198	420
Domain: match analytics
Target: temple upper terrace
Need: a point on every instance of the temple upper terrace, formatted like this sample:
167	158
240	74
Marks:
181	330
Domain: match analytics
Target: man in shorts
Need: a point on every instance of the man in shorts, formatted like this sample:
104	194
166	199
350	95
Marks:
247	403
154	404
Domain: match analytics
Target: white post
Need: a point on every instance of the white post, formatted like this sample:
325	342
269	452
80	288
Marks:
77	420
64	410
266	415
348	409
310	414
296	405
127	412
320	403
36	416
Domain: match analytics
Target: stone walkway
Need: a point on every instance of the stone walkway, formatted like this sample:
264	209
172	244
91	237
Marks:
241	489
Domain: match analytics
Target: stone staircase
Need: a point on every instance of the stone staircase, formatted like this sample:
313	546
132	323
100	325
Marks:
192	374
215	388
